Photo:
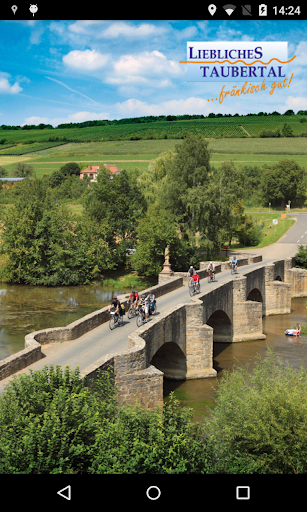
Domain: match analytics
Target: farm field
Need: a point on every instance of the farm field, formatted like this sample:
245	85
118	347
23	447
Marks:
129	154
235	126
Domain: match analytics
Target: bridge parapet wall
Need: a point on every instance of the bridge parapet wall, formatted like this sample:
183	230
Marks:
139	380
34	340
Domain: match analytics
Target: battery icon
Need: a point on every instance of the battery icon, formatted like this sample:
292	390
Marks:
263	10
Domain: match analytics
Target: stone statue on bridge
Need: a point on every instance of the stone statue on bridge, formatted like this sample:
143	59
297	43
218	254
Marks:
167	271
167	255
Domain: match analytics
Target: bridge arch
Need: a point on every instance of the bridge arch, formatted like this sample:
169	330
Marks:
221	325
170	360
255	295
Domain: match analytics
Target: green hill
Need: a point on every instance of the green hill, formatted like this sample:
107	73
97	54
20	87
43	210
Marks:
225	127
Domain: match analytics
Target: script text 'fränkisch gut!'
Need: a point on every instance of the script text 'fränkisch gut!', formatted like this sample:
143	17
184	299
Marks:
250	89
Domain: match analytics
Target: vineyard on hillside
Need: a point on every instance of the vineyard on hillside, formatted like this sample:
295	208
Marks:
222	127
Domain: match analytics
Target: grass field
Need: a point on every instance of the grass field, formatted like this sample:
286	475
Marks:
270	235
236	126
130	154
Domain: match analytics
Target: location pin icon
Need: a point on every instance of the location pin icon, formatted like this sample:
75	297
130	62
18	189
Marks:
212	9
14	9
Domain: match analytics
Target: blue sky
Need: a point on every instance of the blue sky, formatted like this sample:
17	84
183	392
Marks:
73	71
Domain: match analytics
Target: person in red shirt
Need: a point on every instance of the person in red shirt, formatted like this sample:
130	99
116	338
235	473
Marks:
133	297
195	278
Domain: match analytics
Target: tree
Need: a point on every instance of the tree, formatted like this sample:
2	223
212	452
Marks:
301	257
157	229
282	182
23	170
48	245
56	178
3	172
187	177
258	424
248	231
51	423
117	202
153	180
289	113
70	168
286	130
201	197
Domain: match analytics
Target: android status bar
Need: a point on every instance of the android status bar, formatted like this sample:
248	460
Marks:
219	11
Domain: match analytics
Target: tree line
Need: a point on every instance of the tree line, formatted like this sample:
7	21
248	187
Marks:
181	200
143	119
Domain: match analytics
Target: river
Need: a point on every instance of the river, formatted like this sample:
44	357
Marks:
200	393
24	309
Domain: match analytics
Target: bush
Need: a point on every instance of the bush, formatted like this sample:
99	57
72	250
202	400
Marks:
301	257
259	424
249	232
269	133
50	423
49	420
287	130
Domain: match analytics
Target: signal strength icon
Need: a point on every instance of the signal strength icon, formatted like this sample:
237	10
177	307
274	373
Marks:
229	8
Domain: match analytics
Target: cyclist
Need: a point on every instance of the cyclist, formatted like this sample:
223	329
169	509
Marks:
191	271
115	304
211	269
133	297
234	262
151	298
195	278
143	304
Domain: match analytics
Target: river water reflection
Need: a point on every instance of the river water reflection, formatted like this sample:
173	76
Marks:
200	394
24	309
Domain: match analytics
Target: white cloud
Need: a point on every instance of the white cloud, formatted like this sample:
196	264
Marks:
145	67
300	52
87	60
296	103
135	108
36	120
120	28
78	117
81	26
6	87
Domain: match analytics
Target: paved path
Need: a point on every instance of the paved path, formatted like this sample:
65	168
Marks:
101	341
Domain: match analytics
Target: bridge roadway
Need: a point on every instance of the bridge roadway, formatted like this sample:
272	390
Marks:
102	341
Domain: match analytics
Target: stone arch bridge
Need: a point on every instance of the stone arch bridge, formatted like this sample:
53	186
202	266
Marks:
178	343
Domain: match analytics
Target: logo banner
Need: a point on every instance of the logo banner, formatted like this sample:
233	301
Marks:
230	61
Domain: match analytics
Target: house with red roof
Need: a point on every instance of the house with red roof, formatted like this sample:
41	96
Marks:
92	171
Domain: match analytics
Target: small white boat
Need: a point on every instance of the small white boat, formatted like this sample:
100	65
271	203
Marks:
291	332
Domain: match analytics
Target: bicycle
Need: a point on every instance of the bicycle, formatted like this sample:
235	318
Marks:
233	268
115	320
152	308
194	287
140	319
132	311
211	277
191	287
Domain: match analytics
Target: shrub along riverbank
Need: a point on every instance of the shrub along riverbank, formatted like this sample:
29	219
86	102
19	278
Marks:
50	423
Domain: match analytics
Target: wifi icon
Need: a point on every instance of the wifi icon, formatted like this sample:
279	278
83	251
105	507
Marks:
229	8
